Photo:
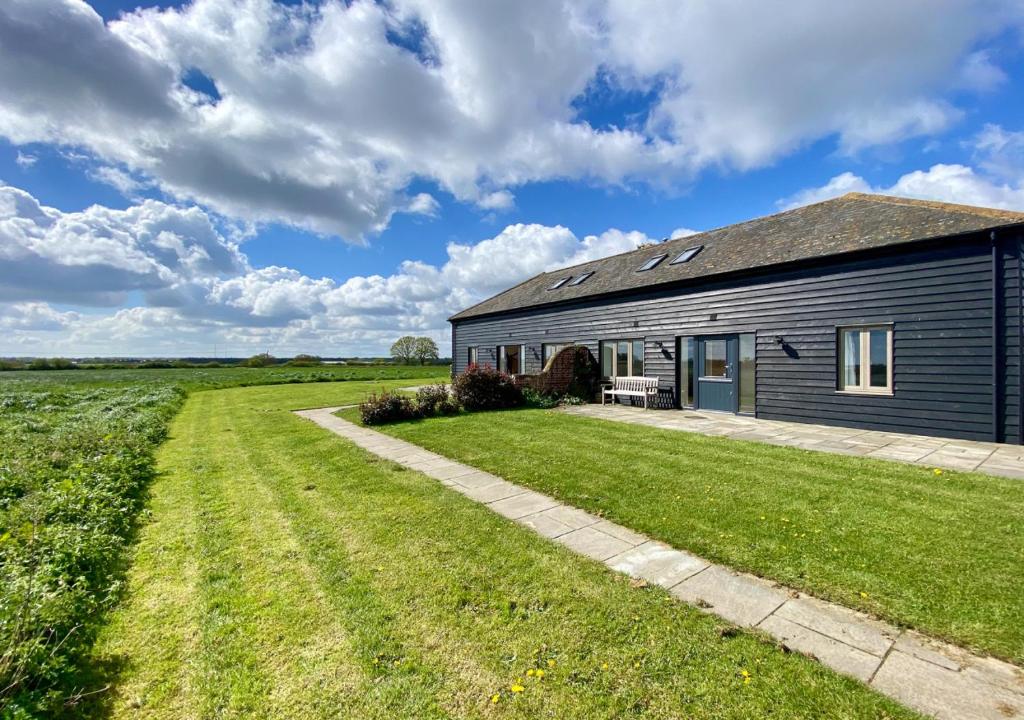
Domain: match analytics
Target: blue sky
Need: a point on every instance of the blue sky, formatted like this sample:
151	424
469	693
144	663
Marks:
324	178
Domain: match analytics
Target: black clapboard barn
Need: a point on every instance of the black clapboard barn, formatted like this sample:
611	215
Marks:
864	311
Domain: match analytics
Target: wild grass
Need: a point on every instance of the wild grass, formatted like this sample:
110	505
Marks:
76	459
942	552
74	464
212	378
287	573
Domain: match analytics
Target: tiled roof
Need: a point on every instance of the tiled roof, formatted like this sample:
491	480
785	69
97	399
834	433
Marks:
855	221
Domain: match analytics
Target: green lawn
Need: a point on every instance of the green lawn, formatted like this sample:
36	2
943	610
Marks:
940	552
286	573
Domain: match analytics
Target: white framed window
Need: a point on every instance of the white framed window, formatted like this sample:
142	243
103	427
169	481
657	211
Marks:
865	359
622	358
472	356
511	359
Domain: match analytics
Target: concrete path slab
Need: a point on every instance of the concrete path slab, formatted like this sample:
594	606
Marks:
741	599
658	563
937	678
966	455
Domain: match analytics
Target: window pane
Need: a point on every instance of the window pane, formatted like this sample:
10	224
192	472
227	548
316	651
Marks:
851	358
472	356
512	360
638	357
622	359
714	358
686	371
747	396
878	345
607	359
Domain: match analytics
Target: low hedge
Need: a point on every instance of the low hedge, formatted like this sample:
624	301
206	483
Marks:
484	388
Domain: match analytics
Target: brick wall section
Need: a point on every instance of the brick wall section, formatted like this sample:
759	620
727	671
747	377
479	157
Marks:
560	374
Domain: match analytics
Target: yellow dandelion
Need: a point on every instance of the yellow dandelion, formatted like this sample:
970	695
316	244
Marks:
863	594
530	672
495	698
551	663
517	688
937	471
540	674
604	666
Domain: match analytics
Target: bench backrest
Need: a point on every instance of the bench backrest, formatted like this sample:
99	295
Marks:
635	384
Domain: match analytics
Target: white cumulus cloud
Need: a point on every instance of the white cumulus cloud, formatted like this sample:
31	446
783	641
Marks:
200	290
321	115
997	183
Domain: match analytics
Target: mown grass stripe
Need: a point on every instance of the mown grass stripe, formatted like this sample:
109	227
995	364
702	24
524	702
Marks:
264	614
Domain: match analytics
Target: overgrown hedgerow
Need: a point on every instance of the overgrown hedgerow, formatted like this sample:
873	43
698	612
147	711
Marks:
74	465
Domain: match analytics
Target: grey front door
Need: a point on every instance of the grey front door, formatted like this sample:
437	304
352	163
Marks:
717	363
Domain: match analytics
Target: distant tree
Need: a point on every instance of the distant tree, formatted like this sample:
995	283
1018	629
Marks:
303	360
261	360
404	349
426	349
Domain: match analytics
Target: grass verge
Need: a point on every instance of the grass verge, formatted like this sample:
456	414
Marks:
940	552
287	573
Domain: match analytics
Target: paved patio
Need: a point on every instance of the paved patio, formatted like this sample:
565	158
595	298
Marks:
936	678
985	457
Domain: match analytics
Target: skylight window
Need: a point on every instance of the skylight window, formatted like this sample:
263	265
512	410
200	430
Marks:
687	255
581	279
561	282
652	262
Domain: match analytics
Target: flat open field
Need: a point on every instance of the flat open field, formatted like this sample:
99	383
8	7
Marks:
209	378
284	572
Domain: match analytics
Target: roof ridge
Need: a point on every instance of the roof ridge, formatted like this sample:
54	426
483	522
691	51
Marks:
936	205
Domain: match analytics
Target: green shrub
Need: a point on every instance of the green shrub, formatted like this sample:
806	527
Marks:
536	399
483	388
155	365
304	361
436	400
572	400
259	361
387	407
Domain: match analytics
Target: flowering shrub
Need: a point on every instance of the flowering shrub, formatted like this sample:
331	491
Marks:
483	388
436	400
387	407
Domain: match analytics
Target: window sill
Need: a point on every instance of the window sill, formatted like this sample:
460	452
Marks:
866	393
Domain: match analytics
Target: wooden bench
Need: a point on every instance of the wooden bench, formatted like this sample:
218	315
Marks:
644	387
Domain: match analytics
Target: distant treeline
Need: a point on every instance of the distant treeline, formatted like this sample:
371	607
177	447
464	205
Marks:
261	360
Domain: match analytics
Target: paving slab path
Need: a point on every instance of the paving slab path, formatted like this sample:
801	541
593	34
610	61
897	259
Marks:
968	455
933	677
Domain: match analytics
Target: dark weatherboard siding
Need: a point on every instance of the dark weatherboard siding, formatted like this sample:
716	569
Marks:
939	300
